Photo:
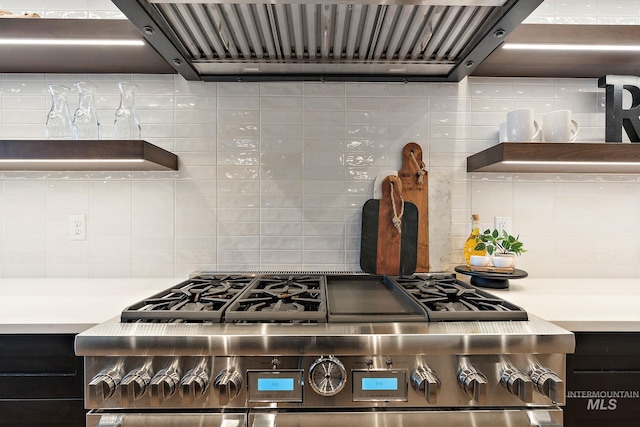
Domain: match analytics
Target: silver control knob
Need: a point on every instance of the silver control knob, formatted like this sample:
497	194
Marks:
194	384
517	382
164	384
426	383
104	384
135	383
227	384
547	382
472	381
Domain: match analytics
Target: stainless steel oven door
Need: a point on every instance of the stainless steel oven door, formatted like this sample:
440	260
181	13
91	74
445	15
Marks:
449	418
174	419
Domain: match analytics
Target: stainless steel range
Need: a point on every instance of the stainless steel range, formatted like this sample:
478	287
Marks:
293	349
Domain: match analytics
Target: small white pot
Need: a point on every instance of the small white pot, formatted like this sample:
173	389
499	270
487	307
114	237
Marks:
480	260
504	260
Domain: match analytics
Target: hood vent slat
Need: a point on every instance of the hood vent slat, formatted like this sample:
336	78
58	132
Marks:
261	32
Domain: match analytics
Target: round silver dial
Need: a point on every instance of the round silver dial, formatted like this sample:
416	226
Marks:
327	376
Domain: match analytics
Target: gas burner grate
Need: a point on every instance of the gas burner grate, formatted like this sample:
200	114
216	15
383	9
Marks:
448	299
279	299
200	299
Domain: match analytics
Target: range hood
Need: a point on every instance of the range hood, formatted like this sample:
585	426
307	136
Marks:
363	40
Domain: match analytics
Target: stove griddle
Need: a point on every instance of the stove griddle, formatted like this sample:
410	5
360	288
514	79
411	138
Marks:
370	299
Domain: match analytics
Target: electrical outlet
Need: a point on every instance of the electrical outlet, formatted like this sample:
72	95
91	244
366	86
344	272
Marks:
77	227
502	223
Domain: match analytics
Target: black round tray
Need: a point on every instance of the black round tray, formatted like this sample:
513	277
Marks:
486	279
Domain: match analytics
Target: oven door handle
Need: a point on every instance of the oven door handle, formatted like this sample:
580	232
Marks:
542	418
264	420
492	418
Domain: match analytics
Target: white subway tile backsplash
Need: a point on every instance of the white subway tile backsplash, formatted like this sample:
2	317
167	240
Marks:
281	89
152	250
275	174
322	215
312	90
289	243
112	249
369	117
286	131
241	257
109	201
366	89
488	89
153	270
238	103
280	117
26	102
323	103
195	172
269	103
238	201
239	158
330	118
232	143
27	229
234	172
238	89
239	130
281	187
321	258
234	242
277	260
280	174
447	134
281	215
323	229
409	89
323	244
335	132
321	145
194	103
231	220
280	201
283	145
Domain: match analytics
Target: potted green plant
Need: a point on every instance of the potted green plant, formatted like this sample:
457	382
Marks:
500	245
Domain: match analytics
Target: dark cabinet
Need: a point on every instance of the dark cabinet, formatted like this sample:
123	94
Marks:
602	380
41	381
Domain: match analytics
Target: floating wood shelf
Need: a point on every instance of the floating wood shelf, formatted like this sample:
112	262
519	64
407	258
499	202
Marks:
34	58
85	155
563	63
544	157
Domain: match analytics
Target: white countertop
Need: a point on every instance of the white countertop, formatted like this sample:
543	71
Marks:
587	305
73	305
65	305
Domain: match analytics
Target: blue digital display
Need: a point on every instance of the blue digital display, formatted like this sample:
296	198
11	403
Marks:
275	384
379	384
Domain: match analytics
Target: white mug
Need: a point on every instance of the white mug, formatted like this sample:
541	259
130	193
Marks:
521	127
557	126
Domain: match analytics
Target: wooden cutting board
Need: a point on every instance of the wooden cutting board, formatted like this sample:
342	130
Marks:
384	250
416	191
